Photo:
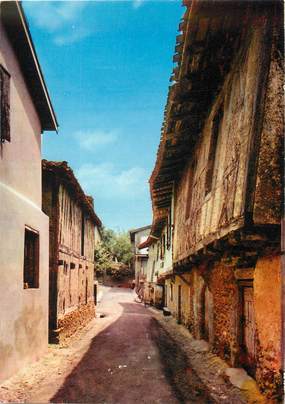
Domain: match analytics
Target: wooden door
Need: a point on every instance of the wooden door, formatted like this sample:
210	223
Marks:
249	330
179	308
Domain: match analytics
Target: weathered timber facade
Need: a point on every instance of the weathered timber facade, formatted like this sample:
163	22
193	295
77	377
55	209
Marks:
25	112
219	168
73	229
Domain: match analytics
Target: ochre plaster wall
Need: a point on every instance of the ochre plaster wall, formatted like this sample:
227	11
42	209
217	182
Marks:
172	304
267	306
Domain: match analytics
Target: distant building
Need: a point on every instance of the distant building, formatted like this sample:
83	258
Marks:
25	112
219	170
74	231
137	236
159	264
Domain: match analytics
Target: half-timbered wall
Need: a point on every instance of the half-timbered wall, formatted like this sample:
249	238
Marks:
76	254
217	199
72	240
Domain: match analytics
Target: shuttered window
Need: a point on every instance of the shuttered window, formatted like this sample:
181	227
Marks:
4	105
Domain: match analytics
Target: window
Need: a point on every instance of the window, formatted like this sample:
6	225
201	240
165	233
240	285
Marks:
31	259
82	233
162	246
152	271
168	231
213	150
4	105
190	185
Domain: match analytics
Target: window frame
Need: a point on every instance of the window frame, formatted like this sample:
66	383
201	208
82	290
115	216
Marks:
213	148
5	77
31	270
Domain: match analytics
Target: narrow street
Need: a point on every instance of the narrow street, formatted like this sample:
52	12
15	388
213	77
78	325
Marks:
124	363
124	357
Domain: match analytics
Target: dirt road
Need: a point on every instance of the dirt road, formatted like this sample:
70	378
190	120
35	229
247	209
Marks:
125	357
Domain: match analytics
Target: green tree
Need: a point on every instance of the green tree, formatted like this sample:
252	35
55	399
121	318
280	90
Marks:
122	249
113	254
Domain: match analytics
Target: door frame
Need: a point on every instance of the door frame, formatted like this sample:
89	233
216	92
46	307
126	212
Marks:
179	304
242	357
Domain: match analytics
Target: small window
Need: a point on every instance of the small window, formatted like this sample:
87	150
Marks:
152	272
31	259
162	246
190	186
213	150
82	233
4	105
168	231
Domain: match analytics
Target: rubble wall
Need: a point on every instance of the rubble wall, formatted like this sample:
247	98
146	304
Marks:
75	320
224	288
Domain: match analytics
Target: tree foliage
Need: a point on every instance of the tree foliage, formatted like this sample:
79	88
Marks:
113	254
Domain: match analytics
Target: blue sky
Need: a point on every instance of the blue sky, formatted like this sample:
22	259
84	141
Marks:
107	66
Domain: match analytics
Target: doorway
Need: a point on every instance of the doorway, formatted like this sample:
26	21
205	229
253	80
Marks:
248	329
206	320
179	308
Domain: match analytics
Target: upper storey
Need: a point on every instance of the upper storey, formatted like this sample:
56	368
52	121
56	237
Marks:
25	106
220	148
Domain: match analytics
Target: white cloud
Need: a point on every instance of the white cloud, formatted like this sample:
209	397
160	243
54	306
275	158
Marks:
91	140
106	181
74	35
137	3
60	18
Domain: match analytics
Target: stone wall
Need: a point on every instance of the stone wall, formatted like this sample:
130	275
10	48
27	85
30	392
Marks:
224	288
211	309
74	321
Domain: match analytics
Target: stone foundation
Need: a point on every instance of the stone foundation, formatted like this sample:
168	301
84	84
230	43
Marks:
72	322
211	308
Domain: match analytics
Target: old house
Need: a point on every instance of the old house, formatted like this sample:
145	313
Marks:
219	168
140	259
25	112
159	264
74	230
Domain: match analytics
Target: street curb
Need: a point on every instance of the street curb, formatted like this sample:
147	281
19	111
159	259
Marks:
222	383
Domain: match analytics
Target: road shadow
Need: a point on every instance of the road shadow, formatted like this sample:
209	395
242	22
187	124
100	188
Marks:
187	385
129	361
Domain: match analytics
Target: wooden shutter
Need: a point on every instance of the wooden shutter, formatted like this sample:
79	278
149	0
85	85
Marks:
4	105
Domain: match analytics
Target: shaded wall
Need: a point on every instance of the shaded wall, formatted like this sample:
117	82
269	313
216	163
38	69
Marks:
23	312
